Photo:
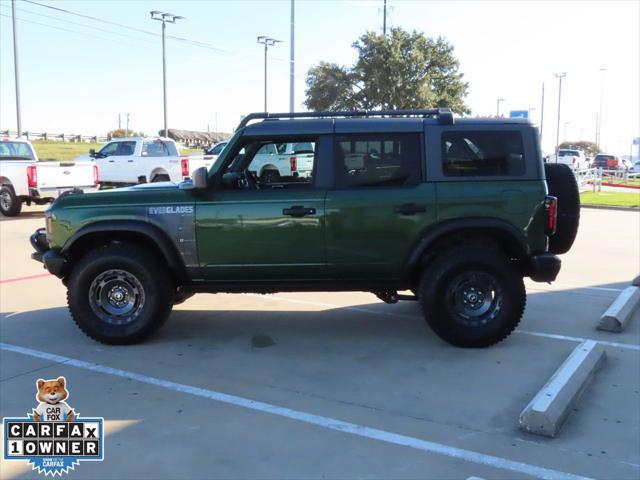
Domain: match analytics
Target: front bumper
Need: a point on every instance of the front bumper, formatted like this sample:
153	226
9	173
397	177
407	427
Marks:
544	267
52	261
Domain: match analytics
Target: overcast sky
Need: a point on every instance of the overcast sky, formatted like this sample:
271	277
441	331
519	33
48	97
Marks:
77	74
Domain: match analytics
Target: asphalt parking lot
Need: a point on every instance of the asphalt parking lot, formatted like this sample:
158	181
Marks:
332	385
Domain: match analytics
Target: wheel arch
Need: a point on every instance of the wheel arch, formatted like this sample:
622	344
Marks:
452	232
157	171
268	166
104	233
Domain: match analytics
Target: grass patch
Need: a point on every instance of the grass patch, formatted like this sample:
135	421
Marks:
62	151
611	199
619	181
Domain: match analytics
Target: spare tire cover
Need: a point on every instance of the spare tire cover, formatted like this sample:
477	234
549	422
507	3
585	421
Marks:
562	184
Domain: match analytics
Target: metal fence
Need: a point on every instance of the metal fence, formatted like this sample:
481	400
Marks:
592	178
61	137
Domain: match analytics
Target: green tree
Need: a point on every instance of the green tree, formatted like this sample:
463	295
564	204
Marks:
122	132
401	70
590	149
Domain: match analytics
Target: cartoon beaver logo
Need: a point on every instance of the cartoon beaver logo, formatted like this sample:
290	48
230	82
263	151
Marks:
52	407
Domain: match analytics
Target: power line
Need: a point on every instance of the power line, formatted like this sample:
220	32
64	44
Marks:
31	12
67	30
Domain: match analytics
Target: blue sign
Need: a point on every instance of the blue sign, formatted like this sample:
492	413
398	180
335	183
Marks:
636	141
519	114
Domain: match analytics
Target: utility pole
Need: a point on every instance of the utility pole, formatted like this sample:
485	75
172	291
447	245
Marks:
599	129
559	76
384	19
541	113
119	122
267	42
15	67
292	60
127	123
164	18
500	99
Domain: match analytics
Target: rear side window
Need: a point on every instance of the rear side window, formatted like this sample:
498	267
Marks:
378	160
158	148
482	154
15	151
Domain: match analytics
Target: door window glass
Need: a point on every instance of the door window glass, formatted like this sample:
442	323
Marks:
378	160
482	153
158	148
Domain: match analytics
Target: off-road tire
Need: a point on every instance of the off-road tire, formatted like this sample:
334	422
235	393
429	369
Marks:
562	184
157	287
10	204
269	176
162	177
480	262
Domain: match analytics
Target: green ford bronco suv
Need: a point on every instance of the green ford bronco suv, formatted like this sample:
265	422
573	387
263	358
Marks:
456	211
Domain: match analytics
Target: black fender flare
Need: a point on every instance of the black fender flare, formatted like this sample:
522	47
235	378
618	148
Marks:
166	246
478	224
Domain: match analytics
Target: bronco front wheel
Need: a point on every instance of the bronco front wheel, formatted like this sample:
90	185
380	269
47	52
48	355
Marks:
117	294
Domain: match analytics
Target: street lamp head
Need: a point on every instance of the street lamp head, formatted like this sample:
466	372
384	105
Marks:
264	40
560	75
164	16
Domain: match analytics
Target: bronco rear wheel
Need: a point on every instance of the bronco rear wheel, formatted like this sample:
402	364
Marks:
472	296
117	294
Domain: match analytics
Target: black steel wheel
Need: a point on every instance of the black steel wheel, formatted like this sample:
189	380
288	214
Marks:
119	294
472	295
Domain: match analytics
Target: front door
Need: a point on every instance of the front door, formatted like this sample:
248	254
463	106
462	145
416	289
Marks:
249	230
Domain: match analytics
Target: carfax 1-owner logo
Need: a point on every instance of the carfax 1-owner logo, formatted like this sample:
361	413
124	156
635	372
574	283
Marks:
53	438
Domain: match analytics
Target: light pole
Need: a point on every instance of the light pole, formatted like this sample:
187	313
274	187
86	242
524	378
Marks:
500	99
267	42
292	59
599	131
559	76
15	66
164	18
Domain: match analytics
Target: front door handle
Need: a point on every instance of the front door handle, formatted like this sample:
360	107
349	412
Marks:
111	161
130	161
298	211
410	209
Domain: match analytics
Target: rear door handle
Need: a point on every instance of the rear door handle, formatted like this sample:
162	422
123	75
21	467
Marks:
111	161
298	211
410	209
130	161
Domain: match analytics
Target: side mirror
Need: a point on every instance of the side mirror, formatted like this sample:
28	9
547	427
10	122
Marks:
199	178
92	152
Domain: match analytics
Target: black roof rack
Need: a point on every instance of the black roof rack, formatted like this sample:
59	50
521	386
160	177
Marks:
444	115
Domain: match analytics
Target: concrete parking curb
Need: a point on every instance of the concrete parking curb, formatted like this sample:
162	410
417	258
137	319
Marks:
617	316
548	410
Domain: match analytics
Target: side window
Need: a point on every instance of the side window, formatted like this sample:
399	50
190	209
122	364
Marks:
125	149
109	149
158	148
276	164
482	153
378	160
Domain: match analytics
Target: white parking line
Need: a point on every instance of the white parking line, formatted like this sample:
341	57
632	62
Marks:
318	420
628	346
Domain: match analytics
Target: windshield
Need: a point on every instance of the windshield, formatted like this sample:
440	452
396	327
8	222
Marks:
16	151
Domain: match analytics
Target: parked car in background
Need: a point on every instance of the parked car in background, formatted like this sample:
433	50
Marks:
277	162
216	150
576	159
606	162
126	161
635	167
23	179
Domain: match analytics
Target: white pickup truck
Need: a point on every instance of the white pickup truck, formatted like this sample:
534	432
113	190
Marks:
24	179
576	159
125	161
276	162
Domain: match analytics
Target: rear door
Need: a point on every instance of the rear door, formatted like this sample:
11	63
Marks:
380	203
